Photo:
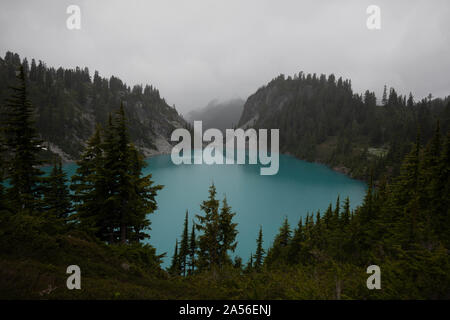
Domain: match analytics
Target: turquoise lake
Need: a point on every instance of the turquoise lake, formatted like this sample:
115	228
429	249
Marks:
298	188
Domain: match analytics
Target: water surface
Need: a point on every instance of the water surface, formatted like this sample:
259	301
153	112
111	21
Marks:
298	188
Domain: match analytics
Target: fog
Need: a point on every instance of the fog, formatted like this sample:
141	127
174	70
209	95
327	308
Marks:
199	50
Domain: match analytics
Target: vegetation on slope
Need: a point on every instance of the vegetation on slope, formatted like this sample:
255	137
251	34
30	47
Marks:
70	102
321	119
402	226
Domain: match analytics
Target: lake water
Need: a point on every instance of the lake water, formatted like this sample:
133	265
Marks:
298	188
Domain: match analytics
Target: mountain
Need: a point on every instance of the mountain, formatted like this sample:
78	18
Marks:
220	115
321	119
70	103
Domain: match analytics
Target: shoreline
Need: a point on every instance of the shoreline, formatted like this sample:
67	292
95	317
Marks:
150	153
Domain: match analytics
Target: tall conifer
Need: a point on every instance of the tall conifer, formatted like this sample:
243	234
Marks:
24	146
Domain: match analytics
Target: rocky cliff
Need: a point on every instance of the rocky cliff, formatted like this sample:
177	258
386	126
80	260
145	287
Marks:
69	104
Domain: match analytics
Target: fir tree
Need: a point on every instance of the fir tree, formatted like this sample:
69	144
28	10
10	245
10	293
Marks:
117	170
249	266
346	213
218	232
112	198
295	247
279	251
24	146
57	200
3	202
209	225
143	199
192	248
384	100
228	233
175	267
90	191
184	246
259	255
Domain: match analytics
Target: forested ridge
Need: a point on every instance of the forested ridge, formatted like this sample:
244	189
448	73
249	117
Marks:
70	102
402	226
322	119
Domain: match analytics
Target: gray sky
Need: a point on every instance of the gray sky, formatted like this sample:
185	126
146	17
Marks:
196	50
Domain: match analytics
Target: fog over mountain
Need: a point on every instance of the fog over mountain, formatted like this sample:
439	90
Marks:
195	51
219	114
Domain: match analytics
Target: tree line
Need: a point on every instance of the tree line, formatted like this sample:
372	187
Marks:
108	197
403	224
69	102
322	119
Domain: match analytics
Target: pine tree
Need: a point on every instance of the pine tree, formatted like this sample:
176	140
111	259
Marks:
175	267
410	102
184	246
90	191
328	217
346	213
228	233
192	248
259	255
284	236
278	253
432	186
406	204
250	264
143	200
57	201
117	167
24	146
209	225
112	198
3	202
336	215
439	194
384	100
295	247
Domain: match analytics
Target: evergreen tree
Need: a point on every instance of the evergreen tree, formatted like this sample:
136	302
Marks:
24	146
346	213
143	199
295	247
192	248
90	191
3	202
112	198
209	225
259	255
184	246
249	266
57	200
384	100
117	169
218	233
228	233
279	251
175	267
131	197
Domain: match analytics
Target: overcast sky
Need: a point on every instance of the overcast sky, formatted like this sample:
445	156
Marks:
194	51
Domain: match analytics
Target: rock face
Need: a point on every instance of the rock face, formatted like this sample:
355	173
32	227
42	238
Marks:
322	120
69	104
266	102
